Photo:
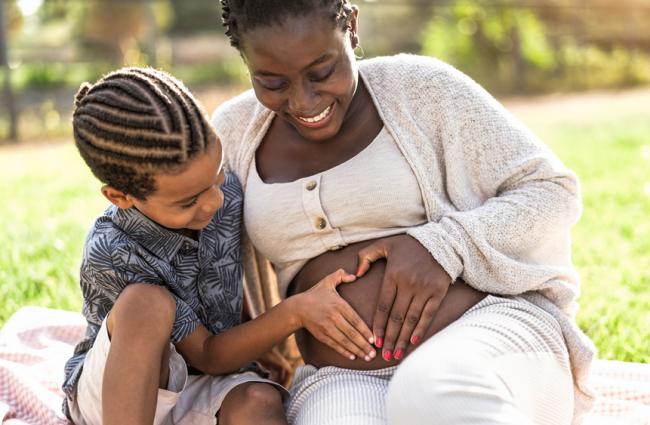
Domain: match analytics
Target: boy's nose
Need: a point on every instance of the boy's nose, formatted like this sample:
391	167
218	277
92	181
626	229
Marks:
215	200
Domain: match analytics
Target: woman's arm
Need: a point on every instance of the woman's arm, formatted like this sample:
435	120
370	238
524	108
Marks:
320	310
500	204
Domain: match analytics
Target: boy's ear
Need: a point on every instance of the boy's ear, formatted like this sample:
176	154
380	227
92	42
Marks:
117	197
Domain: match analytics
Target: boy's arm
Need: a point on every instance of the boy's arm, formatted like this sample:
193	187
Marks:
229	350
320	310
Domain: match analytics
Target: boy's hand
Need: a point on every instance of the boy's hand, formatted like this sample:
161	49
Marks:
331	320
278	367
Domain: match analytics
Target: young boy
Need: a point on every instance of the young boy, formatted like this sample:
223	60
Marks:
161	272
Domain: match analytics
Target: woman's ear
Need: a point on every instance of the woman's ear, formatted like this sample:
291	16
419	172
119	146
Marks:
353	26
117	197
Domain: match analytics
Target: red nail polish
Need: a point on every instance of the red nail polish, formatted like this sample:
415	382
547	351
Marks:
387	355
415	339
379	342
399	353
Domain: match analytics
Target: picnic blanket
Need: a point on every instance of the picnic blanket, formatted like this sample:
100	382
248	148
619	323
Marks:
36	342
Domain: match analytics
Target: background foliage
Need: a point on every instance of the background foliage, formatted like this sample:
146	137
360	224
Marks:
509	46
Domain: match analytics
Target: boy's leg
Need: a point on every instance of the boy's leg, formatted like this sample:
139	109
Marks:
139	326
252	403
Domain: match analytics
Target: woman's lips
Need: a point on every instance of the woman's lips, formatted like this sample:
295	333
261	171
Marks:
317	120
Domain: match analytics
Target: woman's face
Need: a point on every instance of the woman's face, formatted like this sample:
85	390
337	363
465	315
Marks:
305	71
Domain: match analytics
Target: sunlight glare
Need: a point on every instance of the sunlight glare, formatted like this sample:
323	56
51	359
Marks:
29	7
645	152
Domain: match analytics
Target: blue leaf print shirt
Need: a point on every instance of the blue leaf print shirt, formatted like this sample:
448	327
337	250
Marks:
203	276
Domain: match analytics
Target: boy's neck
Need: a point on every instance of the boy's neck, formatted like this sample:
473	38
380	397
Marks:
189	233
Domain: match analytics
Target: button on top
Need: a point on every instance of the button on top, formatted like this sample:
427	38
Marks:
321	223
311	185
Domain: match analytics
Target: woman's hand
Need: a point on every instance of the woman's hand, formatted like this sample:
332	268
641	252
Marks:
331	320
414	284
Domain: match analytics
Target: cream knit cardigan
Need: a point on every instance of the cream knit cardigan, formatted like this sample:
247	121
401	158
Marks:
500	205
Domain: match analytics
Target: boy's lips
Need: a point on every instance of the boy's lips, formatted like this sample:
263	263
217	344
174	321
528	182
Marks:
205	219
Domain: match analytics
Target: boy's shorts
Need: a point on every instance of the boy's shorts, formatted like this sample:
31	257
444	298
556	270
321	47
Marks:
188	399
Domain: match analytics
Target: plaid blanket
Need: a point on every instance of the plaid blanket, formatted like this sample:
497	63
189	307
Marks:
36	342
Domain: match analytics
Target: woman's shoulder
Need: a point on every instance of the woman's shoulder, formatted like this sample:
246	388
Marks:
420	80
232	112
408	67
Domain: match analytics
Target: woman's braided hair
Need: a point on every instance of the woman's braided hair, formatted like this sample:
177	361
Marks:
135	123
239	16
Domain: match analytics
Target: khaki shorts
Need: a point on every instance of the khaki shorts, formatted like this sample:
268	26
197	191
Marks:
188	399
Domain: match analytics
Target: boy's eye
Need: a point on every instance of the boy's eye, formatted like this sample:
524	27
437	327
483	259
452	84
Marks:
190	204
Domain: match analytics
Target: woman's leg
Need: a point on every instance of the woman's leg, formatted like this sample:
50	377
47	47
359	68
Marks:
337	396
503	362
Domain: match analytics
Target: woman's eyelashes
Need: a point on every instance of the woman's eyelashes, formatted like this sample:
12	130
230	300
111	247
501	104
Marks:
275	84
322	74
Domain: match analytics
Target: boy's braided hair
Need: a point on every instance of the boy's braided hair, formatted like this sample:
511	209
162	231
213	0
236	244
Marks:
135	123
239	16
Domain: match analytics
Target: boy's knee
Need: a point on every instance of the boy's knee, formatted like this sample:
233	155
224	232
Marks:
261	395
144	304
253	402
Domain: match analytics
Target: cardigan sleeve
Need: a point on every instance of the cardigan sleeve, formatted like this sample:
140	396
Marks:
513	202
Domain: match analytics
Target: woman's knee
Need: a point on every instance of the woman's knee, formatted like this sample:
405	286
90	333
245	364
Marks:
449	389
148	307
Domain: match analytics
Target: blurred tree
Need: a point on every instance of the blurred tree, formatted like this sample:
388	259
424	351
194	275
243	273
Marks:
124	31
192	16
9	21
502	43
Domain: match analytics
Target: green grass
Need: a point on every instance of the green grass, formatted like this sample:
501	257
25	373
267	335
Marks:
612	240
50	199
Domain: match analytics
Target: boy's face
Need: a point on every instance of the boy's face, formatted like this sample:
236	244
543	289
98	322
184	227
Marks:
187	200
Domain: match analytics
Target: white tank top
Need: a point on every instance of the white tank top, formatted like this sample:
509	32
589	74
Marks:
373	194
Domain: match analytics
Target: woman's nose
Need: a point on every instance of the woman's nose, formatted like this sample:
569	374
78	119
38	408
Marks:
302	99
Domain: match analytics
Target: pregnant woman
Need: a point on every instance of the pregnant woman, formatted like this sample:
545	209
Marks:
405	171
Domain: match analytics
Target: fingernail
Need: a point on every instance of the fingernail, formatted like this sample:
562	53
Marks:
371	340
399	353
379	342
387	355
367	358
415	339
352	357
372	354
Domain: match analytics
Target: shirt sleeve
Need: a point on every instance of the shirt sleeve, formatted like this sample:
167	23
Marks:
108	268
513	201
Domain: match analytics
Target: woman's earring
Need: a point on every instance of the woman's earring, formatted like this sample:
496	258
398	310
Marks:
356	46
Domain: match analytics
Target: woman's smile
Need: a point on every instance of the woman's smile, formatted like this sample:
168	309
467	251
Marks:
318	120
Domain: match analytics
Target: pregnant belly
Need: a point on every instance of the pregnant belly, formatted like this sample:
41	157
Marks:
362	295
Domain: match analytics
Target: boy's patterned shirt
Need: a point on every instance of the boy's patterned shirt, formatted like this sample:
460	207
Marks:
204	277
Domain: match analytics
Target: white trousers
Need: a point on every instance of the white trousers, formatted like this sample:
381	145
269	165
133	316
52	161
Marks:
503	362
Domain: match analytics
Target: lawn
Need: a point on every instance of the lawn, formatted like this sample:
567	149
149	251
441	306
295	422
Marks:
50	199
